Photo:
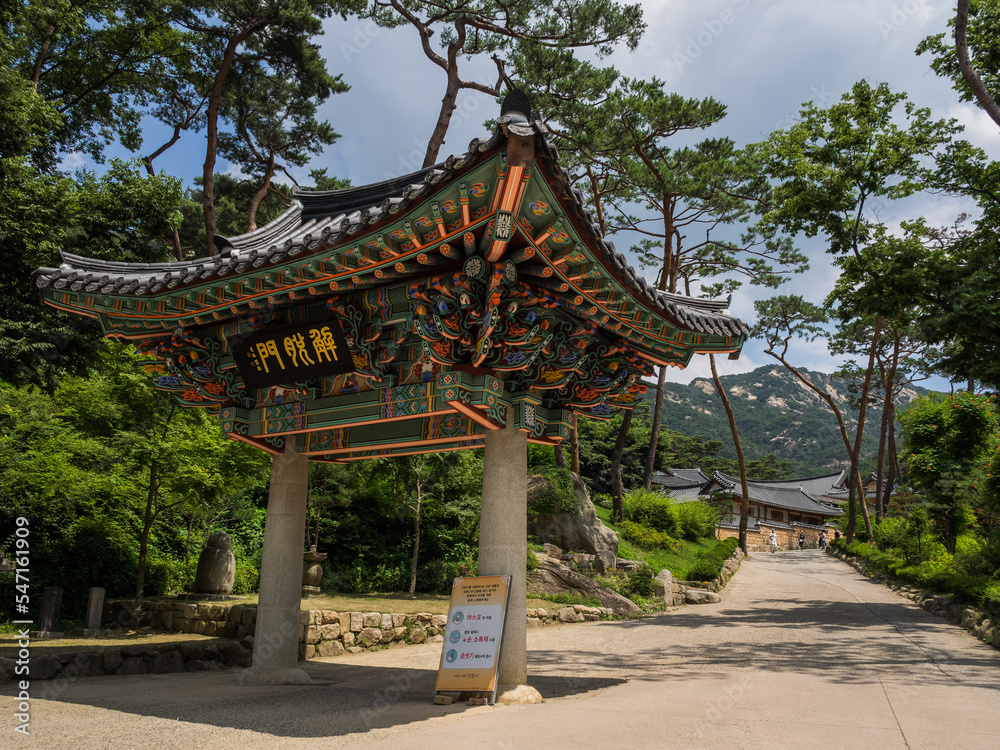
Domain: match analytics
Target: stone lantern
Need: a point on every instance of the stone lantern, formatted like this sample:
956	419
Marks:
312	571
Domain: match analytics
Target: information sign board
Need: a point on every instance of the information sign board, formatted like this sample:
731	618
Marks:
473	635
292	354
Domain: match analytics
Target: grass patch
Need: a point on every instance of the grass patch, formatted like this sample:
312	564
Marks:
679	563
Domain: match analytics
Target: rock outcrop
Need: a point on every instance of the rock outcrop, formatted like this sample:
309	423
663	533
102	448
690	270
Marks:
579	531
552	577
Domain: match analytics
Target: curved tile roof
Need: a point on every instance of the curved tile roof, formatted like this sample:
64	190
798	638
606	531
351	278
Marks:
326	218
773	493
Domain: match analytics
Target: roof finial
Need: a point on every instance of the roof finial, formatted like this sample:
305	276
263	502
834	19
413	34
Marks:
516	101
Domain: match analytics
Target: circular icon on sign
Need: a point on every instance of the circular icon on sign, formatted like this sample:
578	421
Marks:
451	656
457	617
453	636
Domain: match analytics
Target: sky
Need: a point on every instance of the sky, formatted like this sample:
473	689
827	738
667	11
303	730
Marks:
762	59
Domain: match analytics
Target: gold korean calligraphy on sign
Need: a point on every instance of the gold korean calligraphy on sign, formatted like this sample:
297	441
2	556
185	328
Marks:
292	354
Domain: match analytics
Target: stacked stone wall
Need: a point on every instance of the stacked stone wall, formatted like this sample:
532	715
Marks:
788	538
322	632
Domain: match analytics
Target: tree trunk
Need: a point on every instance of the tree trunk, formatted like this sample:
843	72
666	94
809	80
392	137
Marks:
880	466
862	411
147	524
852	510
654	433
617	489
574	451
416	546
560	454
444	117
745	505
893	460
982	94
260	194
212	133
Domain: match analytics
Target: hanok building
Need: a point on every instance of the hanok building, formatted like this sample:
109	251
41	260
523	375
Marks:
470	304
786	506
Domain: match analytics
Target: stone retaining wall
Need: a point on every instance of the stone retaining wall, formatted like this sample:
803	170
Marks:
322	633
758	539
984	625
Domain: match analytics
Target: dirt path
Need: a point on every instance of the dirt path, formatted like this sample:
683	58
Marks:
801	652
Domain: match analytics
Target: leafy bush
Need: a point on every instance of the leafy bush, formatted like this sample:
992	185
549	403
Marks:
708	565
644	536
436	576
890	533
639	583
603	500
532	560
247	579
695	519
558	497
651	509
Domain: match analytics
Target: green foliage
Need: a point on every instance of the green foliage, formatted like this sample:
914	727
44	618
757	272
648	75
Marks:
708	565
247	579
945	439
653	509
558	497
696	519
963	574
647	537
532	562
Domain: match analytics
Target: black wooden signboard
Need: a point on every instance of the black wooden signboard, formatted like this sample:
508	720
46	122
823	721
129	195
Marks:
292	354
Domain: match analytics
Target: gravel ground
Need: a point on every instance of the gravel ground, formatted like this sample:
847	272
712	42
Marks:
802	651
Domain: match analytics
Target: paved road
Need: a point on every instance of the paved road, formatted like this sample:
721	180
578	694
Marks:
802	652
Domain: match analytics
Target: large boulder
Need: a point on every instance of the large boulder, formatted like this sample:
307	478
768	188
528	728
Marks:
552	577
579	530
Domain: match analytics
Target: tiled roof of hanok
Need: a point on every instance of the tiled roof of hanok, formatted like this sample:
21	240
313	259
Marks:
317	220
682	484
777	494
821	485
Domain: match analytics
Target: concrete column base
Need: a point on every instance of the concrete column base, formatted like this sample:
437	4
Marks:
273	676
518	694
503	540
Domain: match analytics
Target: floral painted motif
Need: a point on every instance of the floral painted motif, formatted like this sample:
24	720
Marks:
539	207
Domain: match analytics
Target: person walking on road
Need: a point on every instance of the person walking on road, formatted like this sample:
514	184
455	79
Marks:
822	539
773	541
802	540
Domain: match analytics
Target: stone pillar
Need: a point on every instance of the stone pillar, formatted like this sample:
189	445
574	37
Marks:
503	549
276	638
95	610
49	616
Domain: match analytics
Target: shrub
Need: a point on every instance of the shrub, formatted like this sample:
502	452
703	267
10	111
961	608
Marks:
437	576
708	564
652	509
647	538
247	579
639	585
532	560
696	519
558	497
603	500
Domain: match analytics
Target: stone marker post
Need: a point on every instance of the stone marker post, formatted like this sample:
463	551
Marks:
95	610
51	604
276	638
503	550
